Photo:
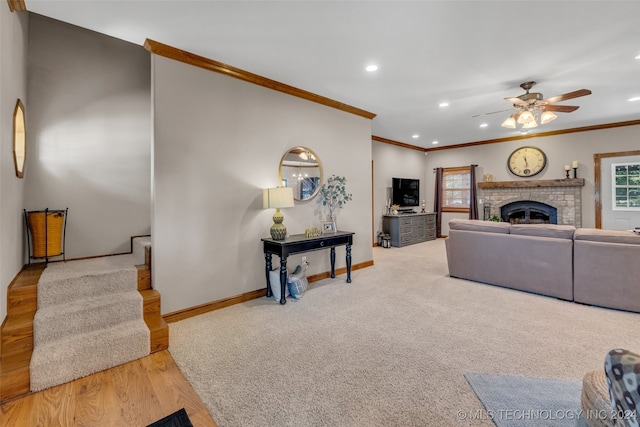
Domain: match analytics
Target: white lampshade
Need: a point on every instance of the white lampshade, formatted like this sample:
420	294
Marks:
509	123
547	117
530	124
280	197
525	117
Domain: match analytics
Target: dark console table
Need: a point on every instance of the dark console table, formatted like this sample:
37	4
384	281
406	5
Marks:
299	243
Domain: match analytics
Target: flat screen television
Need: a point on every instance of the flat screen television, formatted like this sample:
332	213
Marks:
405	192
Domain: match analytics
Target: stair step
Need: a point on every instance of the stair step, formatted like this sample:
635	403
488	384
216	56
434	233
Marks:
81	355
107	275
91	314
16	334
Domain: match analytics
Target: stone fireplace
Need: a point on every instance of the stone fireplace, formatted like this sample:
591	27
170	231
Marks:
533	201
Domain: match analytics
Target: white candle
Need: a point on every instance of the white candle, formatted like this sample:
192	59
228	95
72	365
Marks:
574	164
567	167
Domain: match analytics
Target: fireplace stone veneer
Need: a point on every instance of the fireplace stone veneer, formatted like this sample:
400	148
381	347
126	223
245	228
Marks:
563	194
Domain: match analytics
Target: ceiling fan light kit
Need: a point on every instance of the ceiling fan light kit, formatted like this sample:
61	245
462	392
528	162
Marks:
532	109
547	117
510	123
526	117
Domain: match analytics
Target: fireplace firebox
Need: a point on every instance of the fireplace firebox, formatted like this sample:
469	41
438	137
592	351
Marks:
529	212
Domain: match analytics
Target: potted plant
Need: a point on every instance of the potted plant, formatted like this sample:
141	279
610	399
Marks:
333	195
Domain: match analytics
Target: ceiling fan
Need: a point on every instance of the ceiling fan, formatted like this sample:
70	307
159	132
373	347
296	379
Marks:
532	109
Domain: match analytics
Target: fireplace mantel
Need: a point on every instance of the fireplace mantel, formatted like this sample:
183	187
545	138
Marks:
571	182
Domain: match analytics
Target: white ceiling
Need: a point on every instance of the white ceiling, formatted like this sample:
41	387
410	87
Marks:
471	54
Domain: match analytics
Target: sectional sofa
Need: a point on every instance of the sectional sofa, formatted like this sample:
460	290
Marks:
590	266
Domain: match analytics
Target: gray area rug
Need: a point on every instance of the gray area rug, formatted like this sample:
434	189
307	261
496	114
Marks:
516	401
389	349
89	318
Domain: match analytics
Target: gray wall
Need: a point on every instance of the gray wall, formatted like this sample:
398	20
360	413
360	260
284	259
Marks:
14	29
218	142
391	161
89	135
560	150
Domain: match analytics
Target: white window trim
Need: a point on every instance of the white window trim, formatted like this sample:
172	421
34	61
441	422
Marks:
614	187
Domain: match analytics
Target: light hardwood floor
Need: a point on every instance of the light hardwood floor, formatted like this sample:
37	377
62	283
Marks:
135	394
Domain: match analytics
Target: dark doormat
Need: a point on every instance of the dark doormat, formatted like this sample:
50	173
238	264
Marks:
177	419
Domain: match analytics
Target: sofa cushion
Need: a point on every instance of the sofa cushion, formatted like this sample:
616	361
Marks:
608	236
478	225
623	377
544	230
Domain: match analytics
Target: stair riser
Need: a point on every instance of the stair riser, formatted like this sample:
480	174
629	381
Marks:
22	300
86	355
159	339
54	326
17	341
152	305
14	382
144	277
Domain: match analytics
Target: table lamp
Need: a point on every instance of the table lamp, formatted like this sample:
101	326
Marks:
280	197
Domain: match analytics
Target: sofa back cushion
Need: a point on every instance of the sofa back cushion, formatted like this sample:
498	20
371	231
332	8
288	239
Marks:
478	225
544	230
608	236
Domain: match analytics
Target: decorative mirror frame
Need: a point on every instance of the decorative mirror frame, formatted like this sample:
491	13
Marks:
19	139
284	181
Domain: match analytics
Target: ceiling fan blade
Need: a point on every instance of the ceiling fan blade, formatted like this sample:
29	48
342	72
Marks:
493	112
516	101
570	95
561	108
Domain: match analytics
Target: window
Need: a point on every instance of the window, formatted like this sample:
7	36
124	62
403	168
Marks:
456	189
625	178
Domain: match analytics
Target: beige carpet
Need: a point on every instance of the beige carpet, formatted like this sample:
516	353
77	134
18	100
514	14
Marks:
389	349
89	318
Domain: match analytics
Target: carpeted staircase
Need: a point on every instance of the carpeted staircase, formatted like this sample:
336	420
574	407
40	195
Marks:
91	315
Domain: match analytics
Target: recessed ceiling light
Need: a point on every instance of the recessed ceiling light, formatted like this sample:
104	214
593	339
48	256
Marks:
434	142
635	98
483	125
371	68
443	104
415	136
637	57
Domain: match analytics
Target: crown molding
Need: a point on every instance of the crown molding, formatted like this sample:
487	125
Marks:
507	139
397	143
537	135
176	54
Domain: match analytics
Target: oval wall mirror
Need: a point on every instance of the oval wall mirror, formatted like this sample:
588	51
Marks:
300	169
19	139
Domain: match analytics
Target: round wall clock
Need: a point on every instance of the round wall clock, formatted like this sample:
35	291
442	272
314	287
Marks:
527	161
